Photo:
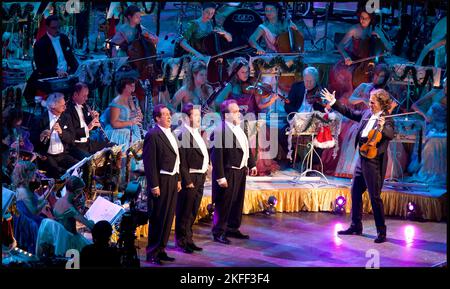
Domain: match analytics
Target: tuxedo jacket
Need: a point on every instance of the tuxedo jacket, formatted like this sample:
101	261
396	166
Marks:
72	114
225	157
158	154
363	116
46	60
42	123
190	153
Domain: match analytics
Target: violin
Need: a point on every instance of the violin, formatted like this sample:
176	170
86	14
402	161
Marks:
369	149
262	90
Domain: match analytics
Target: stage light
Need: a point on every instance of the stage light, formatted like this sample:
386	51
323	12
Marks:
271	202
339	205
412	211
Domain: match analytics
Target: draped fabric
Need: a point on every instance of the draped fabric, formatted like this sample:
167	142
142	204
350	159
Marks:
26	226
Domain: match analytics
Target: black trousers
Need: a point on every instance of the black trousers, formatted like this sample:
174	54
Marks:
229	201
188	203
161	211
57	165
369	174
82	150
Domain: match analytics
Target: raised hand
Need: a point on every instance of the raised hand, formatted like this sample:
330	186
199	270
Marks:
328	96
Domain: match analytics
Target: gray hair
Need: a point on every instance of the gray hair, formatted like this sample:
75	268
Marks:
311	71
52	99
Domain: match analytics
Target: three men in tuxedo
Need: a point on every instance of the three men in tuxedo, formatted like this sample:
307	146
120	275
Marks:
194	165
369	172
231	159
162	170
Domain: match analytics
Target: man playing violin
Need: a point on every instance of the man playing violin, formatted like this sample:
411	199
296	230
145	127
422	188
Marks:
129	31
370	170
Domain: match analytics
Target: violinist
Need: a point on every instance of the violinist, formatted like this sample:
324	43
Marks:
237	87
129	31
195	89
272	27
200	28
374	132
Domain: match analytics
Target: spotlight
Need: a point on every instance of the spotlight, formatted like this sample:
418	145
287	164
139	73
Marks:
339	205
271	202
412	211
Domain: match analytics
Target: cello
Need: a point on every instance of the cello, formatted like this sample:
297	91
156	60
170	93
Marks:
290	41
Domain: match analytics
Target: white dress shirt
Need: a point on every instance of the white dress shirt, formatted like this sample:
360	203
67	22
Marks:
306	106
56	146
202	145
370	124
173	142
62	63
79	109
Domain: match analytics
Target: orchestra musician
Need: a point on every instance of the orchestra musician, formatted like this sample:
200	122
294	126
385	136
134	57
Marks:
51	137
83	121
128	32
195	89
369	172
272	27
53	56
198	29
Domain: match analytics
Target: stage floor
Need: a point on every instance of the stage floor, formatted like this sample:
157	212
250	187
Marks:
308	239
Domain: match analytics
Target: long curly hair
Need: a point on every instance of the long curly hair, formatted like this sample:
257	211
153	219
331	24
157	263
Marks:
194	68
235	79
383	98
23	173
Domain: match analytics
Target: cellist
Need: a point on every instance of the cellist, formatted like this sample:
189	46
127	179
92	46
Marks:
128	32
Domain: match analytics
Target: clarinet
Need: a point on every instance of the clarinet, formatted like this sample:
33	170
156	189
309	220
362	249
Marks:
149	98
136	105
101	128
46	139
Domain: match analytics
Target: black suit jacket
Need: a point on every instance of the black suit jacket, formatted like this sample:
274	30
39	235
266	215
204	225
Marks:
362	116
74	119
223	157
296	95
190	154
157	154
43	123
46	60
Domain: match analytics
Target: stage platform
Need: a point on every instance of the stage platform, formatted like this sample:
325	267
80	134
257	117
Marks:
320	196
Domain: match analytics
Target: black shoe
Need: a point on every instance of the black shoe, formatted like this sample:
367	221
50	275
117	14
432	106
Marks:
194	247
352	230
164	257
186	249
222	239
381	238
237	235
154	260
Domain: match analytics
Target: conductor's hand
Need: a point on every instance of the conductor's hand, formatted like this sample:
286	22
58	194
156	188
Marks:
178	186
156	192
328	96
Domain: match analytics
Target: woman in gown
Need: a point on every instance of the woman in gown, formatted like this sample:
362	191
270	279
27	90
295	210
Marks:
29	205
433	167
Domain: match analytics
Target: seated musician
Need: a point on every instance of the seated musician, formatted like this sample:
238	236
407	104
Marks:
83	121
67	214
53	56
199	28
52	137
129	31
433	167
123	117
236	88
304	96
272	27
195	89
14	134
29	205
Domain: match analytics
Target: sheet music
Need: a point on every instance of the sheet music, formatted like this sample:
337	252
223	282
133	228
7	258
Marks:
102	209
7	198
